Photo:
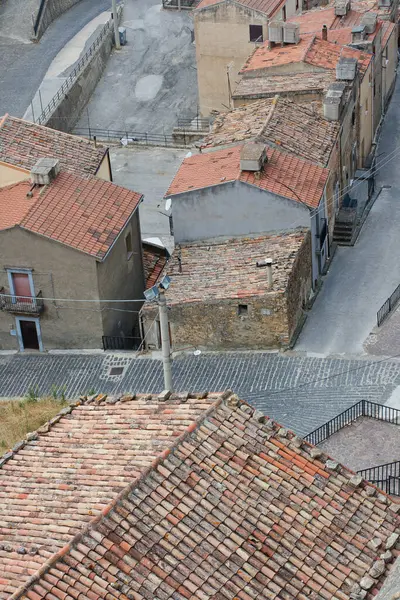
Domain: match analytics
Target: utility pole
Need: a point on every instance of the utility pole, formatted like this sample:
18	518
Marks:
115	19
165	342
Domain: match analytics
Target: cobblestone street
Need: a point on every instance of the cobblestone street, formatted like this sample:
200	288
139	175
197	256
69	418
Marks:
300	392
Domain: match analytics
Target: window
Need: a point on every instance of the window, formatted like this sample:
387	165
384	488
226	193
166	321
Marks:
297	5
256	33
21	284
353	117
284	13
128	246
242	310
366	105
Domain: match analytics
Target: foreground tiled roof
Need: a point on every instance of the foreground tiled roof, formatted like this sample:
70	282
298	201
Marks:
267	7
210	271
154	261
84	213
310	50
279	122
15	204
22	144
61	479
285	85
284	174
237	508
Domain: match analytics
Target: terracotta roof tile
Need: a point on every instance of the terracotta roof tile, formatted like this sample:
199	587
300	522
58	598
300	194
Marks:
57	483
22	143
154	261
283	174
387	30
85	213
278	122
267	7
294	83
211	271
239	507
310	49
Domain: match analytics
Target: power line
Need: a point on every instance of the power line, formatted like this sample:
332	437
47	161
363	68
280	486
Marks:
69	299
311	381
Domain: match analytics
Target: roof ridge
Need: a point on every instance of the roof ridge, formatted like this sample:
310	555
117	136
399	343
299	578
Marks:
15	184
3	119
274	104
309	46
164	396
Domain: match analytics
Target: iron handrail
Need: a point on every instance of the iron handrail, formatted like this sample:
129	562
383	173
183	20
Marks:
134	137
363	408
68	83
388	306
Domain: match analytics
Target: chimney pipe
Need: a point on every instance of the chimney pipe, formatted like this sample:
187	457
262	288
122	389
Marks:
269	272
325	33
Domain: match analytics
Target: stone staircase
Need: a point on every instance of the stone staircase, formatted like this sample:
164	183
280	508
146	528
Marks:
344	226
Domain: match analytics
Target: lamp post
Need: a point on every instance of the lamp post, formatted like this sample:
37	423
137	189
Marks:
157	292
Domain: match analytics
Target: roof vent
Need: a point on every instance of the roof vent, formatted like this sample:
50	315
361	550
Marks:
291	33
369	21
253	156
333	101
275	32
358	34
342	7
45	171
346	69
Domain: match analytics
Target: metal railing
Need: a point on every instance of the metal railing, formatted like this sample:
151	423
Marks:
39	16
27	306
388	306
194	123
364	408
68	83
114	342
180	3
133	137
381	473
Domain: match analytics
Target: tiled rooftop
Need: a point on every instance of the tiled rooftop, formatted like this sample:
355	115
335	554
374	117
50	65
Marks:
62	479
267	7
210	271
310	50
387	30
154	260
84	213
238	507
284	174
287	84
22	144
278	122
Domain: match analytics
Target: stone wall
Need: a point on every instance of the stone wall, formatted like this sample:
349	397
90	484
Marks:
299	287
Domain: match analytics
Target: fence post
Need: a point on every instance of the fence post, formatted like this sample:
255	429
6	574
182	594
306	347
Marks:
327	430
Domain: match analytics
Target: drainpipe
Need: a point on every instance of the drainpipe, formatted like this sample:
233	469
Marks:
269	272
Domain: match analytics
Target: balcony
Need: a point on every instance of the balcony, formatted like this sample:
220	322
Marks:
21	306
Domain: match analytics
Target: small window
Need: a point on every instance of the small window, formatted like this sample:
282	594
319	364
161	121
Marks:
353	117
242	310
297	5
128	245
284	13
366	105
256	33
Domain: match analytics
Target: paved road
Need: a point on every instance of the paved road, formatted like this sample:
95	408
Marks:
302	393
152	80
361	278
23	65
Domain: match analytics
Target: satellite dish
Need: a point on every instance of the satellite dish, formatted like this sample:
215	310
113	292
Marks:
197	352
168	204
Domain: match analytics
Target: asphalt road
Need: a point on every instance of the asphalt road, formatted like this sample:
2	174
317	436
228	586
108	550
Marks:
362	277
23	65
152	80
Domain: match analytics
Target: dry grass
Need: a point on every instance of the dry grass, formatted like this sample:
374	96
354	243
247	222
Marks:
18	417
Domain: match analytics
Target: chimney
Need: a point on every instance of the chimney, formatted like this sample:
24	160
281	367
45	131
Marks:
333	101
325	33
358	34
253	156
45	171
346	69
267	263
369	21
342	7
291	33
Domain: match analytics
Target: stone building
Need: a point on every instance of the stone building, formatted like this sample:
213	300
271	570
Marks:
225	31
63	238
222	296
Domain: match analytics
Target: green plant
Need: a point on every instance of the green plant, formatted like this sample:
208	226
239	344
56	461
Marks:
91	392
32	395
58	392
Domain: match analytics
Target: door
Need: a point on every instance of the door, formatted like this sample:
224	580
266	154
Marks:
29	335
21	286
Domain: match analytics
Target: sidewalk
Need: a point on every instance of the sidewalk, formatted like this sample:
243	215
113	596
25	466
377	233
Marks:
63	64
